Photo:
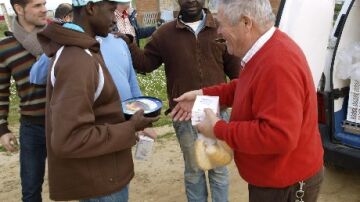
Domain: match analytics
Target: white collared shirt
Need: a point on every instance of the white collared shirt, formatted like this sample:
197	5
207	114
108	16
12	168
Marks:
257	46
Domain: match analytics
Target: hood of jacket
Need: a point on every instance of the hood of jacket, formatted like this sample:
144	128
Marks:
54	36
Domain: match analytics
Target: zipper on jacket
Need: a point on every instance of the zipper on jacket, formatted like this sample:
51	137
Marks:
198	55
197	51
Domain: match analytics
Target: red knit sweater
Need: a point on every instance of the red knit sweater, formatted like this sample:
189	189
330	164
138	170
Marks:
273	126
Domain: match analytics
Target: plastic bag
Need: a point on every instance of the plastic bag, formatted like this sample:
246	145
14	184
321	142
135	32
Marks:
212	155
348	66
209	153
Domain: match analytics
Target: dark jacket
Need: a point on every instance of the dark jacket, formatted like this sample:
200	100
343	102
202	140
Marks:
141	32
191	62
88	142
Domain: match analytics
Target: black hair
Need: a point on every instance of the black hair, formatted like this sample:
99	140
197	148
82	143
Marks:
77	9
22	3
63	10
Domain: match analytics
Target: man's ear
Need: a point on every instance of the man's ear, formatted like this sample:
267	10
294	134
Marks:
90	8
248	23
19	10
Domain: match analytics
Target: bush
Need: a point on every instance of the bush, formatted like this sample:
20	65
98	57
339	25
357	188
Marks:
3	28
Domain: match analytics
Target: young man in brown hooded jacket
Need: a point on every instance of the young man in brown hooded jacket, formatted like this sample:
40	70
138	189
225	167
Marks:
88	139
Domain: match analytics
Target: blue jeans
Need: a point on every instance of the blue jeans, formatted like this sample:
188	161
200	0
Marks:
32	160
195	178
121	196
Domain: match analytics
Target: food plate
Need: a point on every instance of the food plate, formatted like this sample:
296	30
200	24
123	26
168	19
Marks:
151	106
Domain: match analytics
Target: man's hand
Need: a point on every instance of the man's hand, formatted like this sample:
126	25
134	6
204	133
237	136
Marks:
206	127
182	110
149	132
126	37
140	121
9	142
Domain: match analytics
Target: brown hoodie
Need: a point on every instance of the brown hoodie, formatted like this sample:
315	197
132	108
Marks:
88	143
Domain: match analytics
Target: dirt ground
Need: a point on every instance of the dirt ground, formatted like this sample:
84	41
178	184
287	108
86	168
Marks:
160	179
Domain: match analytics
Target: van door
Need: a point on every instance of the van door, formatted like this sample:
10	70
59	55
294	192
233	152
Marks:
309	23
346	33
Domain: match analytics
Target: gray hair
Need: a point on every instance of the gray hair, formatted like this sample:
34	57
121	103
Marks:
258	10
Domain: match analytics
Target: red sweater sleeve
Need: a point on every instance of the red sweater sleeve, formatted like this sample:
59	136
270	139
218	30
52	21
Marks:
276	112
225	92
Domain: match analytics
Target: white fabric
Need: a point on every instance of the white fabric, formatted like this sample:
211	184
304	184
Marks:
194	25
100	85
58	53
101	73
257	46
309	24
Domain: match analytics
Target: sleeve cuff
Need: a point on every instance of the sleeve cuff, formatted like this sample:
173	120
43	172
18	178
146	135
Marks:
219	129
211	91
205	91
4	129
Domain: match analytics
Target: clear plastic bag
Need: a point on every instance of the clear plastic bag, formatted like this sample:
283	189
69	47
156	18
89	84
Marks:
348	66
212	154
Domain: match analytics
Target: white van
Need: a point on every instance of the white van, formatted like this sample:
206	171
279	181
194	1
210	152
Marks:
310	24
341	137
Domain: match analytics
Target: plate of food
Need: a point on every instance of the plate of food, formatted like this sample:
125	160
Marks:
151	106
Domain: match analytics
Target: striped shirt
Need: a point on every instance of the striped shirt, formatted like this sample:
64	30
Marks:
16	62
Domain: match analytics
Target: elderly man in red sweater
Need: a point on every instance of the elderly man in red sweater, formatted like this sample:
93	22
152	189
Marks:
273	126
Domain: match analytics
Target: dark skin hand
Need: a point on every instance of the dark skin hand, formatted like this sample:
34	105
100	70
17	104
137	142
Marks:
126	37
141	122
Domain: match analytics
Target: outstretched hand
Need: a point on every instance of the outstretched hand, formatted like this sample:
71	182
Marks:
182	110
140	121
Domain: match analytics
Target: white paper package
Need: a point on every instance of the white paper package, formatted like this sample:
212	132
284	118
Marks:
144	148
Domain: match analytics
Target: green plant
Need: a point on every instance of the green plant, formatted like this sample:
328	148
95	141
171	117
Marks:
337	10
167	136
142	42
3	28
14	114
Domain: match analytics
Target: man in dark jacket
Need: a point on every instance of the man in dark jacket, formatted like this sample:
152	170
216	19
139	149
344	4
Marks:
192	59
88	139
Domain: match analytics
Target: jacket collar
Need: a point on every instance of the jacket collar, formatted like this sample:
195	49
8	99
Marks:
209	20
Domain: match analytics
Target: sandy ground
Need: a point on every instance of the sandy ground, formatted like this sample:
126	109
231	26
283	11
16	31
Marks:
160	179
